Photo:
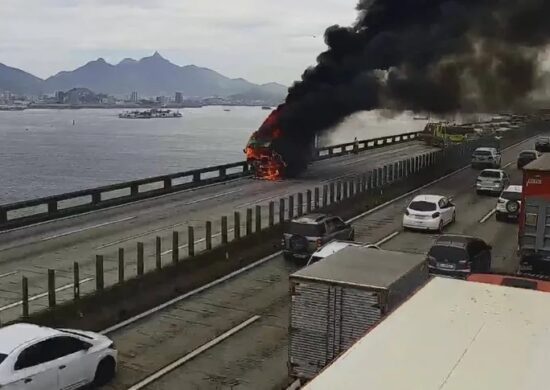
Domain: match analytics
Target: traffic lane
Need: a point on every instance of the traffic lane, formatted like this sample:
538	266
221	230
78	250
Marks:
164	337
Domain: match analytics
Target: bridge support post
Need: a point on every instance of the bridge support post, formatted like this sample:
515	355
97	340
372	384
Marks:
99	282
271	221
51	288
308	201
121	265
300	207
325	196
96	198
3	216
248	222
224	230
191	240
385	174
140	261
52	206
76	281
158	252
345	190
315	198
25	295
237	225
332	192
167	184
291	207
281	210
208	234
196	177
175	247
338	191
258	215
352	187
134	190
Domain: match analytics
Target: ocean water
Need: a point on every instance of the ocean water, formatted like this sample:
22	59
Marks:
43	153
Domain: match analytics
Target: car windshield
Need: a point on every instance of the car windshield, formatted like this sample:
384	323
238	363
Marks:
448	253
422	206
2	357
511	195
306	229
543	140
528	155
491	174
482	153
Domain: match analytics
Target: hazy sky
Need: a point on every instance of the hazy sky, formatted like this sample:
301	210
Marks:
261	40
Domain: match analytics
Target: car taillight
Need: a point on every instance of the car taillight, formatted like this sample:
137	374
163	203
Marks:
463	262
436	215
319	243
500	200
283	242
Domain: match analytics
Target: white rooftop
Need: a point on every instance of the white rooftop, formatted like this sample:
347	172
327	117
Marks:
514	188
333	247
427	198
13	336
452	335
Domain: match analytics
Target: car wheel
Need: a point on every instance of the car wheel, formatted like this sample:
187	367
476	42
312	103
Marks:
440	227
478	192
105	372
454	217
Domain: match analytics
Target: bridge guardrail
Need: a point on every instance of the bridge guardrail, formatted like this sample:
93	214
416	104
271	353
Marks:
57	206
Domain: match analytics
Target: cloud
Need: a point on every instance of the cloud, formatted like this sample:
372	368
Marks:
262	40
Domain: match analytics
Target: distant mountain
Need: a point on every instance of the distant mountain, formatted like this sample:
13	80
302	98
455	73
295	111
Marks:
19	82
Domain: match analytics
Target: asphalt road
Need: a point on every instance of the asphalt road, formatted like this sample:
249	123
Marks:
255	356
32	250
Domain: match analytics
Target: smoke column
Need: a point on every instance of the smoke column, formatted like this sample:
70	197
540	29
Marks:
423	55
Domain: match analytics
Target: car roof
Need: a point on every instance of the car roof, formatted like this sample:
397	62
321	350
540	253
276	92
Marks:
528	151
514	188
311	218
485	149
333	247
13	336
427	198
456	240
492	170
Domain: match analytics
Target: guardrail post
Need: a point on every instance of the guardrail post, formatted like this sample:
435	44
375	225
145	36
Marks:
258	219
384	175
52	206
175	247
225	236
291	207
352	186
96	197
3	216
237	224
281	210
158	252
99	282
308	201
300	207
248	222
223	172
76	281
25	294
325	196
345	190
167	183
134	189
315	205
208	234
196	177
191	240
140	261
121	265
338	191
51	288
271	221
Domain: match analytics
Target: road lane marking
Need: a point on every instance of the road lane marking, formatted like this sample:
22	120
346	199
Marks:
489	215
387	238
139	235
189	294
8	274
203	348
42	295
210	197
86	229
507	165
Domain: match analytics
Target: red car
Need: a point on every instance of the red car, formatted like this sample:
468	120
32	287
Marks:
511	281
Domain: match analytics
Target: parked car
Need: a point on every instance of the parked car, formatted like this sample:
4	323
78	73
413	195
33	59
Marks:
34	357
542	144
304	235
429	212
486	158
492	181
335	246
458	256
526	157
527	283
509	203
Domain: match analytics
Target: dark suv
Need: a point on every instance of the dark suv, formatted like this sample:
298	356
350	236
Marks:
304	235
542	144
458	256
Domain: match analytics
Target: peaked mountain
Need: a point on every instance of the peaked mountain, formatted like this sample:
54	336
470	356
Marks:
152	76
19	82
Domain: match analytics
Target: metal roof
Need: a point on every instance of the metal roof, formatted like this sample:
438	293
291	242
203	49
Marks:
366	267
334	246
13	336
540	164
451	335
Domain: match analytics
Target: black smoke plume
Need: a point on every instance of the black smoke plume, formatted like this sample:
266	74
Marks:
422	55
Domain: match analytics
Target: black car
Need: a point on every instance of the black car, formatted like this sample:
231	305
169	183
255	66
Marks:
526	157
304	235
458	256
542	144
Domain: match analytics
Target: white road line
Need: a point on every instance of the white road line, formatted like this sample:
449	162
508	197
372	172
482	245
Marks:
210	197
189	294
8	274
172	366
507	165
42	295
87	228
489	215
387	238
139	235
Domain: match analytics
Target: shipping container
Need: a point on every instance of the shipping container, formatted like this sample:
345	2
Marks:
534	219
335	301
451	335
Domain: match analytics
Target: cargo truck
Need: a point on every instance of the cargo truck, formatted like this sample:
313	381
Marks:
336	300
451	335
534	217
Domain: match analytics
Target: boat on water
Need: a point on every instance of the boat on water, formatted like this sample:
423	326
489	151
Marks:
12	108
150	114
266	108
421	118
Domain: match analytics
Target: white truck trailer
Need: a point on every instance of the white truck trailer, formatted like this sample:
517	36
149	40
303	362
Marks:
452	335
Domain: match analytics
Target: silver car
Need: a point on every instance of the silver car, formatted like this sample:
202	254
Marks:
486	158
493	181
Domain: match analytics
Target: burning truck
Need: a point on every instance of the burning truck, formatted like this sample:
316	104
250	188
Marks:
273	154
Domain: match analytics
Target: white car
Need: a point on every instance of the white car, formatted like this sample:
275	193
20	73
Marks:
429	212
34	357
335	246
509	203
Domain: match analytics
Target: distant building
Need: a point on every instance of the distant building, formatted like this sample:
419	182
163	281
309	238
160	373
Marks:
134	97
162	100
179	97
60	97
